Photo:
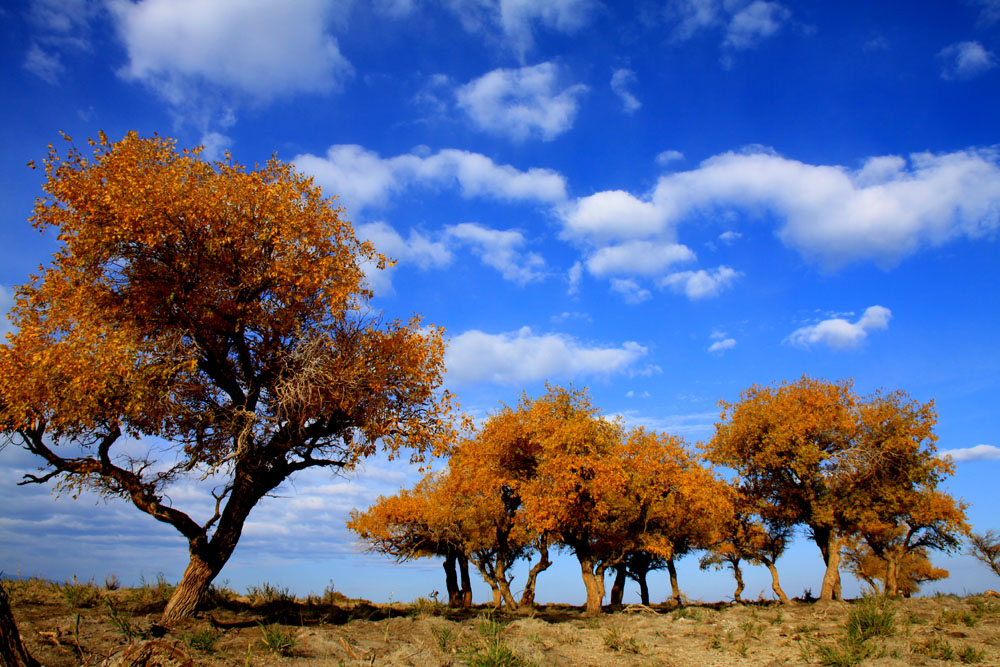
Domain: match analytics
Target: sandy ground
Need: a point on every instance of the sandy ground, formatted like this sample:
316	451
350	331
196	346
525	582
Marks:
86	624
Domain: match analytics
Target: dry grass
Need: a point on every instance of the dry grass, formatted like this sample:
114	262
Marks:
78	623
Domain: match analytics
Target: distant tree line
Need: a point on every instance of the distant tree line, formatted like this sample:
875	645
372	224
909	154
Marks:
859	473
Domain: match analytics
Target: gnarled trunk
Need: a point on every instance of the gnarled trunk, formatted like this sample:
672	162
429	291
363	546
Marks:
618	587
829	545
775	584
891	587
593	581
528	596
738	575
197	577
638	567
504	585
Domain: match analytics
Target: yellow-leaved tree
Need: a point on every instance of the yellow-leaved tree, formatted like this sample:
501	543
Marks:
219	311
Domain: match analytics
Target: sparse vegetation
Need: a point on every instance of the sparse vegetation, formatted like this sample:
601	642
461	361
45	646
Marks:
239	632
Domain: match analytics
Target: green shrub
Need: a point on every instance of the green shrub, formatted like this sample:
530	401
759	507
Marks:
203	640
276	640
871	618
267	594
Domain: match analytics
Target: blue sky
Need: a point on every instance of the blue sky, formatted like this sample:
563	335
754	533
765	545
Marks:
666	201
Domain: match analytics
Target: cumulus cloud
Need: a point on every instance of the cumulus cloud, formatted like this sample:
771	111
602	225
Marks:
417	249
573	277
965	60
502	250
730	237
840	334
637	258
522	356
700	284
260	49
883	211
361	178
521	103
977	453
621	81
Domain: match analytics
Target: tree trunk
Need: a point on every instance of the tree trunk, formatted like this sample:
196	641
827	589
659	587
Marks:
618	587
675	590
451	581
738	575
12	650
504	585
594	583
638	566
197	577
528	596
463	571
775	584
891	587
829	545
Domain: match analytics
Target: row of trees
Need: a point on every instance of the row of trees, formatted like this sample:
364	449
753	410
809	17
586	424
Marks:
858	473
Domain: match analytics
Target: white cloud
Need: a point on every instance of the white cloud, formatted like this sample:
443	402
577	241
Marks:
977	453
700	284
518	18
666	157
522	356
990	12
730	237
720	346
613	214
521	103
361	178
745	24
573	277
886	210
637	258
46	65
840	334
630	290
965	60
257	48
215	145
417	250
755	22
501	249
621	80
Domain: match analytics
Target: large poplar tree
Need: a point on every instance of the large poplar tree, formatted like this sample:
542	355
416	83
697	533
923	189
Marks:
219	313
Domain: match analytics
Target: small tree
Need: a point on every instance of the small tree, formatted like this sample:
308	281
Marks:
419	523
903	577
986	547
218	311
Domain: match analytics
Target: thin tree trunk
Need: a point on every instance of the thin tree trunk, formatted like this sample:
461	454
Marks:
463	571
638	565
891	588
738	575
528	596
12	651
775	584
594	583
829	545
643	589
504	585
675	589
451	580
618	587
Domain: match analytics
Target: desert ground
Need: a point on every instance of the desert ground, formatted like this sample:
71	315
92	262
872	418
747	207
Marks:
85	623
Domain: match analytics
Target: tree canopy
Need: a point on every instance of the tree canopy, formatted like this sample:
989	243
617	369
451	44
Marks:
218	309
